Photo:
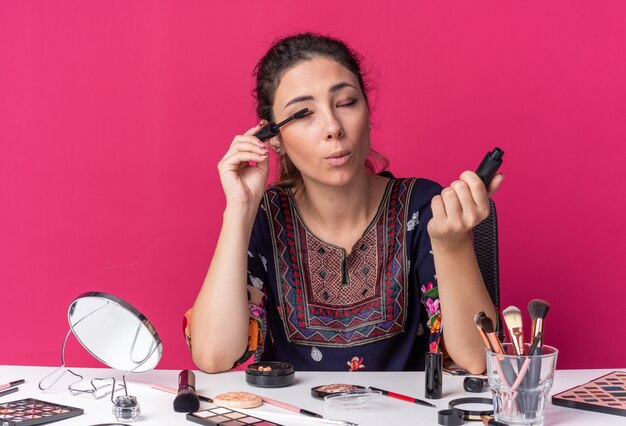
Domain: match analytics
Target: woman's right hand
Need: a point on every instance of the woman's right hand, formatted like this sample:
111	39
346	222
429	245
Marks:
243	183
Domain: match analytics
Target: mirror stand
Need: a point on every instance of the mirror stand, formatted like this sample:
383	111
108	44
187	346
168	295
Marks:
95	390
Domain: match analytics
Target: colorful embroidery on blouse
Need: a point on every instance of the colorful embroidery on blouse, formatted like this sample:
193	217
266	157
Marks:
328	299
256	326
186	329
355	364
430	300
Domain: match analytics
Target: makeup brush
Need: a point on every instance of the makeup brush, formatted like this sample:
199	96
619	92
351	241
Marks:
513	320
186	400
486	325
478	320
535	348
502	365
538	309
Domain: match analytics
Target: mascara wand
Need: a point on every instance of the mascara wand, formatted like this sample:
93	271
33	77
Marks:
272	129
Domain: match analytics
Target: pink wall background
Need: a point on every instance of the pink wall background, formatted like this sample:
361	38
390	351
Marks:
113	116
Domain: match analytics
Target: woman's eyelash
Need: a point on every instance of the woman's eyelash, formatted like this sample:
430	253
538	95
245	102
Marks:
346	104
349	103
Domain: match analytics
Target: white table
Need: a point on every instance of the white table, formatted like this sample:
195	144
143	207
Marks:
156	406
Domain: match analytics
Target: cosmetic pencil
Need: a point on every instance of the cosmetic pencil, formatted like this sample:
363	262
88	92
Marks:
8	391
290	407
12	384
174	391
493	422
257	412
403	397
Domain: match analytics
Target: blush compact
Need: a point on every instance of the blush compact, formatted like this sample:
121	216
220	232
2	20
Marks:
270	374
323	391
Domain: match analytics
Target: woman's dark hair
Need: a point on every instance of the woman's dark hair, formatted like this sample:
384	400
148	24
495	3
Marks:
284	54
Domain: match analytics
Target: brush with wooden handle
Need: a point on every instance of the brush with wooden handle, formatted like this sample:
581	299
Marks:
513	320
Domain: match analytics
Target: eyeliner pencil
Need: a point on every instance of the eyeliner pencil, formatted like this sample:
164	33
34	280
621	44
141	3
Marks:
291	407
174	391
9	391
11	384
403	397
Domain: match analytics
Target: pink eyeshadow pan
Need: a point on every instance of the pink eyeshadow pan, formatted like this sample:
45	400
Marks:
249	420
235	415
219	419
232	423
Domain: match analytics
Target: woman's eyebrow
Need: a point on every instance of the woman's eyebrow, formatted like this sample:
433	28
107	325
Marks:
333	88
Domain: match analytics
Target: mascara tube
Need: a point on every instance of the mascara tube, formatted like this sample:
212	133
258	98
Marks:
434	375
490	164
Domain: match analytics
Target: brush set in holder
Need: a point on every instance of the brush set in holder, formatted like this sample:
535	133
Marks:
520	373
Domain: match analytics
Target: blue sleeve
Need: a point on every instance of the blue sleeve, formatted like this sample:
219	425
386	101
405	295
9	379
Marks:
420	214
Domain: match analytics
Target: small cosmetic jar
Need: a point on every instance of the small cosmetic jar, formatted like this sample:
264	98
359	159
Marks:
126	408
271	374
323	391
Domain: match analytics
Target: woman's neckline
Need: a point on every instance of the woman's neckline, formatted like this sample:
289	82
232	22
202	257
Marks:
381	208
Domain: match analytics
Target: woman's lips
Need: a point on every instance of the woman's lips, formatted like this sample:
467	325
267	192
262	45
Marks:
338	159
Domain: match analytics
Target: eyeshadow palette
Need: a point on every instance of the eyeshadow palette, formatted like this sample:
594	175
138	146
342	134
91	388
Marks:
216	415
606	394
29	411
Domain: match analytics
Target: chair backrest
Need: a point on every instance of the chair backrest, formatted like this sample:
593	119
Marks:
486	249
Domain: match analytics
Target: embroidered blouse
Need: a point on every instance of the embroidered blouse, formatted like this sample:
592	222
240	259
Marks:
376	308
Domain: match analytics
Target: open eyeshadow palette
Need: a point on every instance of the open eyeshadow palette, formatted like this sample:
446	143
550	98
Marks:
606	394
29	411
216	415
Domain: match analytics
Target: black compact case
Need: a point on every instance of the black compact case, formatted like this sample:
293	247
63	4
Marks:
281	374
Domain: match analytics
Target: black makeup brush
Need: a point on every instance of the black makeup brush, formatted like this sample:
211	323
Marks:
538	309
513	320
485	324
186	400
478	318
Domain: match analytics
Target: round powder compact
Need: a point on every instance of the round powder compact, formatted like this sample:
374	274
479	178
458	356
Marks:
270	374
238	400
325	390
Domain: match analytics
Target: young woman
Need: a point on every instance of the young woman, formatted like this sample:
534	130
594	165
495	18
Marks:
333	267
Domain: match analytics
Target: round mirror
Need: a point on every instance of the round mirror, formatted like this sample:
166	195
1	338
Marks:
115	332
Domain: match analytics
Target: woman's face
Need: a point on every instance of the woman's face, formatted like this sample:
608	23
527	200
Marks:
329	145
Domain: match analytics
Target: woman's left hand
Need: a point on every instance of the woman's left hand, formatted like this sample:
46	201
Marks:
461	206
